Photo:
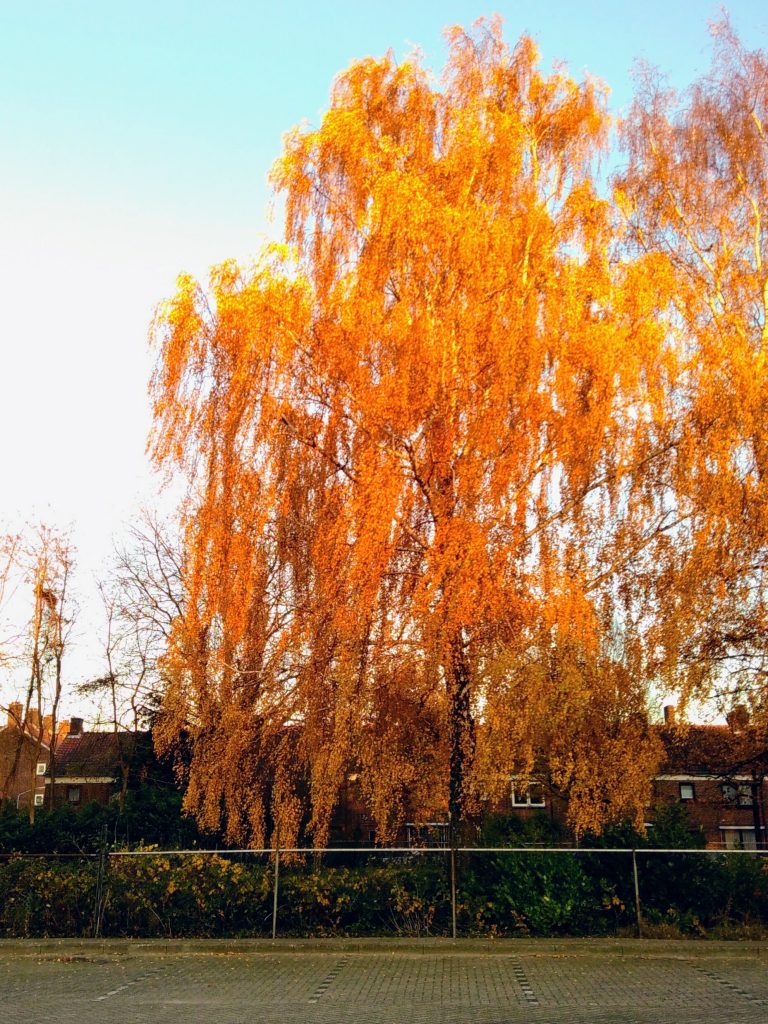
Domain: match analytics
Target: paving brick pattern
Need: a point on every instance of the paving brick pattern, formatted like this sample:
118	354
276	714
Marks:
229	984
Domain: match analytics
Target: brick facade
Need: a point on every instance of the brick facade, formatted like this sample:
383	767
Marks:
718	773
715	771
24	750
88	766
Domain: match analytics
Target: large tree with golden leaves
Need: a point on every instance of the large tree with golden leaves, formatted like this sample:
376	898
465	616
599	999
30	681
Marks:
695	195
421	441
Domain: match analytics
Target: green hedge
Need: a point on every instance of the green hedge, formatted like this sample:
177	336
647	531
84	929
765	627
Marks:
500	894
151	815
209	895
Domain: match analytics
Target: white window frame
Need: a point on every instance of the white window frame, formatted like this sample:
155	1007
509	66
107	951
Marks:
39	799
42	768
520	799
733	831
71	797
692	797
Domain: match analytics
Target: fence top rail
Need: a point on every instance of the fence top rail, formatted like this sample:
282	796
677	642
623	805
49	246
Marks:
430	849
53	855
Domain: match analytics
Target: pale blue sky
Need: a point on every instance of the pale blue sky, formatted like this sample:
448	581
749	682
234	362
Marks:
136	139
176	110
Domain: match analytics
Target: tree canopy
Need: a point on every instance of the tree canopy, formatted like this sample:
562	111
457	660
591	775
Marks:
450	476
695	193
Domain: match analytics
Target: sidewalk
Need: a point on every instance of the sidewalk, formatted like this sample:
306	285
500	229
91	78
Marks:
428	946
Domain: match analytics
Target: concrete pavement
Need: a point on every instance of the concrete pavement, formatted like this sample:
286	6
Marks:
382	982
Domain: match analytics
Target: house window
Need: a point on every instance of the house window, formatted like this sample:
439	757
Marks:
739	838
41	766
73	794
744	798
687	791
740	795
39	798
530	796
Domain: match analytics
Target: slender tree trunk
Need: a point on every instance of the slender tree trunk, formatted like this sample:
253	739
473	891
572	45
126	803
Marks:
52	769
35	690
57	693
756	786
461	729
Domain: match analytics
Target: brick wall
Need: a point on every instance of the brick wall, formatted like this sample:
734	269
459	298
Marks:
18	785
709	807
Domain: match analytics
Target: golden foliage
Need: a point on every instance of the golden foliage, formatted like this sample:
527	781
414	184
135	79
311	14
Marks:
695	193
452	447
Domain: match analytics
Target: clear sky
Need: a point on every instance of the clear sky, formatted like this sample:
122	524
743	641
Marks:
136	139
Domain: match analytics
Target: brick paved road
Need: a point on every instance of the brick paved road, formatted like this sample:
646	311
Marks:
576	982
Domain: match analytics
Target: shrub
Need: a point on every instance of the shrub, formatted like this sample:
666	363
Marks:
201	895
532	893
152	815
38	898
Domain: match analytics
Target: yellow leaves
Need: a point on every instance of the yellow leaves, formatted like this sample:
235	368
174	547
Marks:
446	445
694	194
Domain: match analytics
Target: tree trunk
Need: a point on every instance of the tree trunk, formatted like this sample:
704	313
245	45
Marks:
755	787
52	769
461	728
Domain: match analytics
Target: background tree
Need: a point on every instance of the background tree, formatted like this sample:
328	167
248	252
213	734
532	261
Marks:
695	196
47	561
9	549
422	461
141	597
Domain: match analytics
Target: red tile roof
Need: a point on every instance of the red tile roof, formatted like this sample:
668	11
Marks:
703	750
93	754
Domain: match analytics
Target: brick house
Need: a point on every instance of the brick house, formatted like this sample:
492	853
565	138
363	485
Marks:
25	750
351	823
719	773
89	765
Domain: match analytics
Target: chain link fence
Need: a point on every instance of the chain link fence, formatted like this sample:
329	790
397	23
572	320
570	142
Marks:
491	891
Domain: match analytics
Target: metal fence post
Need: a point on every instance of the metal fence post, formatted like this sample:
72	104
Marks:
276	885
98	909
453	887
638	914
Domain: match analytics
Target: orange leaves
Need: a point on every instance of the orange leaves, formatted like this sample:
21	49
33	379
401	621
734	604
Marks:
372	446
451	455
695	195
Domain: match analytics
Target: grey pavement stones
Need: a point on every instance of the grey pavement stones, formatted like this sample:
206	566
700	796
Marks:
326	983
559	982
522	980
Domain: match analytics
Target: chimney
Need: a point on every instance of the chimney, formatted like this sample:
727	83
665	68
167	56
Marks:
15	711
47	728
75	727
670	715
33	722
